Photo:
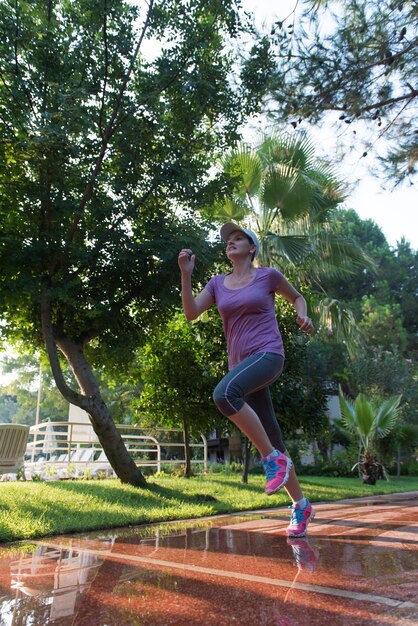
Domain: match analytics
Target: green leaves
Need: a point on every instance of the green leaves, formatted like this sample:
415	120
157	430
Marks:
295	182
293	248
229	209
281	181
386	417
181	360
367	420
99	148
284	190
296	150
246	169
340	323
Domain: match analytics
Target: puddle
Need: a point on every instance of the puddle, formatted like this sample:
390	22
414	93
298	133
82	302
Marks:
358	565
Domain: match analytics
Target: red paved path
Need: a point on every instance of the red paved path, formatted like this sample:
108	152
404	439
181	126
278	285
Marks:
358	567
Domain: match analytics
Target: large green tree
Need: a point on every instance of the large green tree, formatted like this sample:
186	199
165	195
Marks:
353	63
392	288
399	284
362	282
110	114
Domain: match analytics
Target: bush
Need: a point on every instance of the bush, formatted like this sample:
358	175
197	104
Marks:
408	468
340	465
411	468
225	468
170	469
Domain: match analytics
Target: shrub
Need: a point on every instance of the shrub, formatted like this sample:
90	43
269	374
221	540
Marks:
341	464
225	468
408	468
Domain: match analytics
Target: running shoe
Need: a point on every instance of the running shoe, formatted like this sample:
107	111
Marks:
277	467
306	556
299	520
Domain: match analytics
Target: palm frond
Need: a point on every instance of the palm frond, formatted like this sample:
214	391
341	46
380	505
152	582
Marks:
245	166
327	191
339	321
337	256
387	415
294	149
348	417
293	248
357	417
366	420
230	209
283	188
339	427
365	416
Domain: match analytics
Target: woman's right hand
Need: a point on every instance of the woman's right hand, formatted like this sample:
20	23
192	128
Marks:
186	260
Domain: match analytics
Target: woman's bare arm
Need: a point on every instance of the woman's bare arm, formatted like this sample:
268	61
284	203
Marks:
193	306
293	296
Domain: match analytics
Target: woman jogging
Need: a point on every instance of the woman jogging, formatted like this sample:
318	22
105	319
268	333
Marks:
245	301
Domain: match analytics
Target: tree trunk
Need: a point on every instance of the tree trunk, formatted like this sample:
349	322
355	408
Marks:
186	438
90	400
235	445
102	422
398	462
371	470
247	456
324	450
359	461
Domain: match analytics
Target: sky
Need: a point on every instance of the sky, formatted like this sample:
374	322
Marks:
395	211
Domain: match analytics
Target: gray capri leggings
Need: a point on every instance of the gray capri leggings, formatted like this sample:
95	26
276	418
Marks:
249	382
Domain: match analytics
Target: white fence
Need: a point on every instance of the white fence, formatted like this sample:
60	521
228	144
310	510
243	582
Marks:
72	447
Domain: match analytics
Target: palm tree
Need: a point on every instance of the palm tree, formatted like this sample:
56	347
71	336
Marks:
291	200
368	422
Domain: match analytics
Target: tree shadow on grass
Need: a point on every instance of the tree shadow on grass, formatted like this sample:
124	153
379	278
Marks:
150	494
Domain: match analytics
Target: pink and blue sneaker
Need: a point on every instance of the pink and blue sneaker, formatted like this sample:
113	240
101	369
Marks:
299	520
277	467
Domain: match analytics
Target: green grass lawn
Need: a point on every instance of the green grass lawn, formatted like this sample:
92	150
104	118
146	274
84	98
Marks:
30	510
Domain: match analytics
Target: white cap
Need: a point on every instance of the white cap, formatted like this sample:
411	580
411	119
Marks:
230	227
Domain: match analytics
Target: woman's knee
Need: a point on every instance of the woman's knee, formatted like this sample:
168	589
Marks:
228	399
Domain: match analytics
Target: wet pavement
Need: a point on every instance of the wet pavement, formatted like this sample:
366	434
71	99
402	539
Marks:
359	566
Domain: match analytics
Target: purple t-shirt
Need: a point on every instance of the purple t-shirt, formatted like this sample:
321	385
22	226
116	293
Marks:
248	314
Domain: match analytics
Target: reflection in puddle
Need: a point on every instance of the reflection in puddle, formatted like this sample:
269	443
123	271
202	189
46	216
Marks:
217	572
49	582
79	580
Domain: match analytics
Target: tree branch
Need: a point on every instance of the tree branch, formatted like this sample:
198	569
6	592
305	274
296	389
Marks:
363	109
391	123
112	125
306	56
17	65
106	67
69	394
377	105
109	130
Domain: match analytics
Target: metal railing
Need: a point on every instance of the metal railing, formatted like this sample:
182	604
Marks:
65	444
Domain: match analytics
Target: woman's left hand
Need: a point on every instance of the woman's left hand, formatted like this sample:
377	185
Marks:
305	324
